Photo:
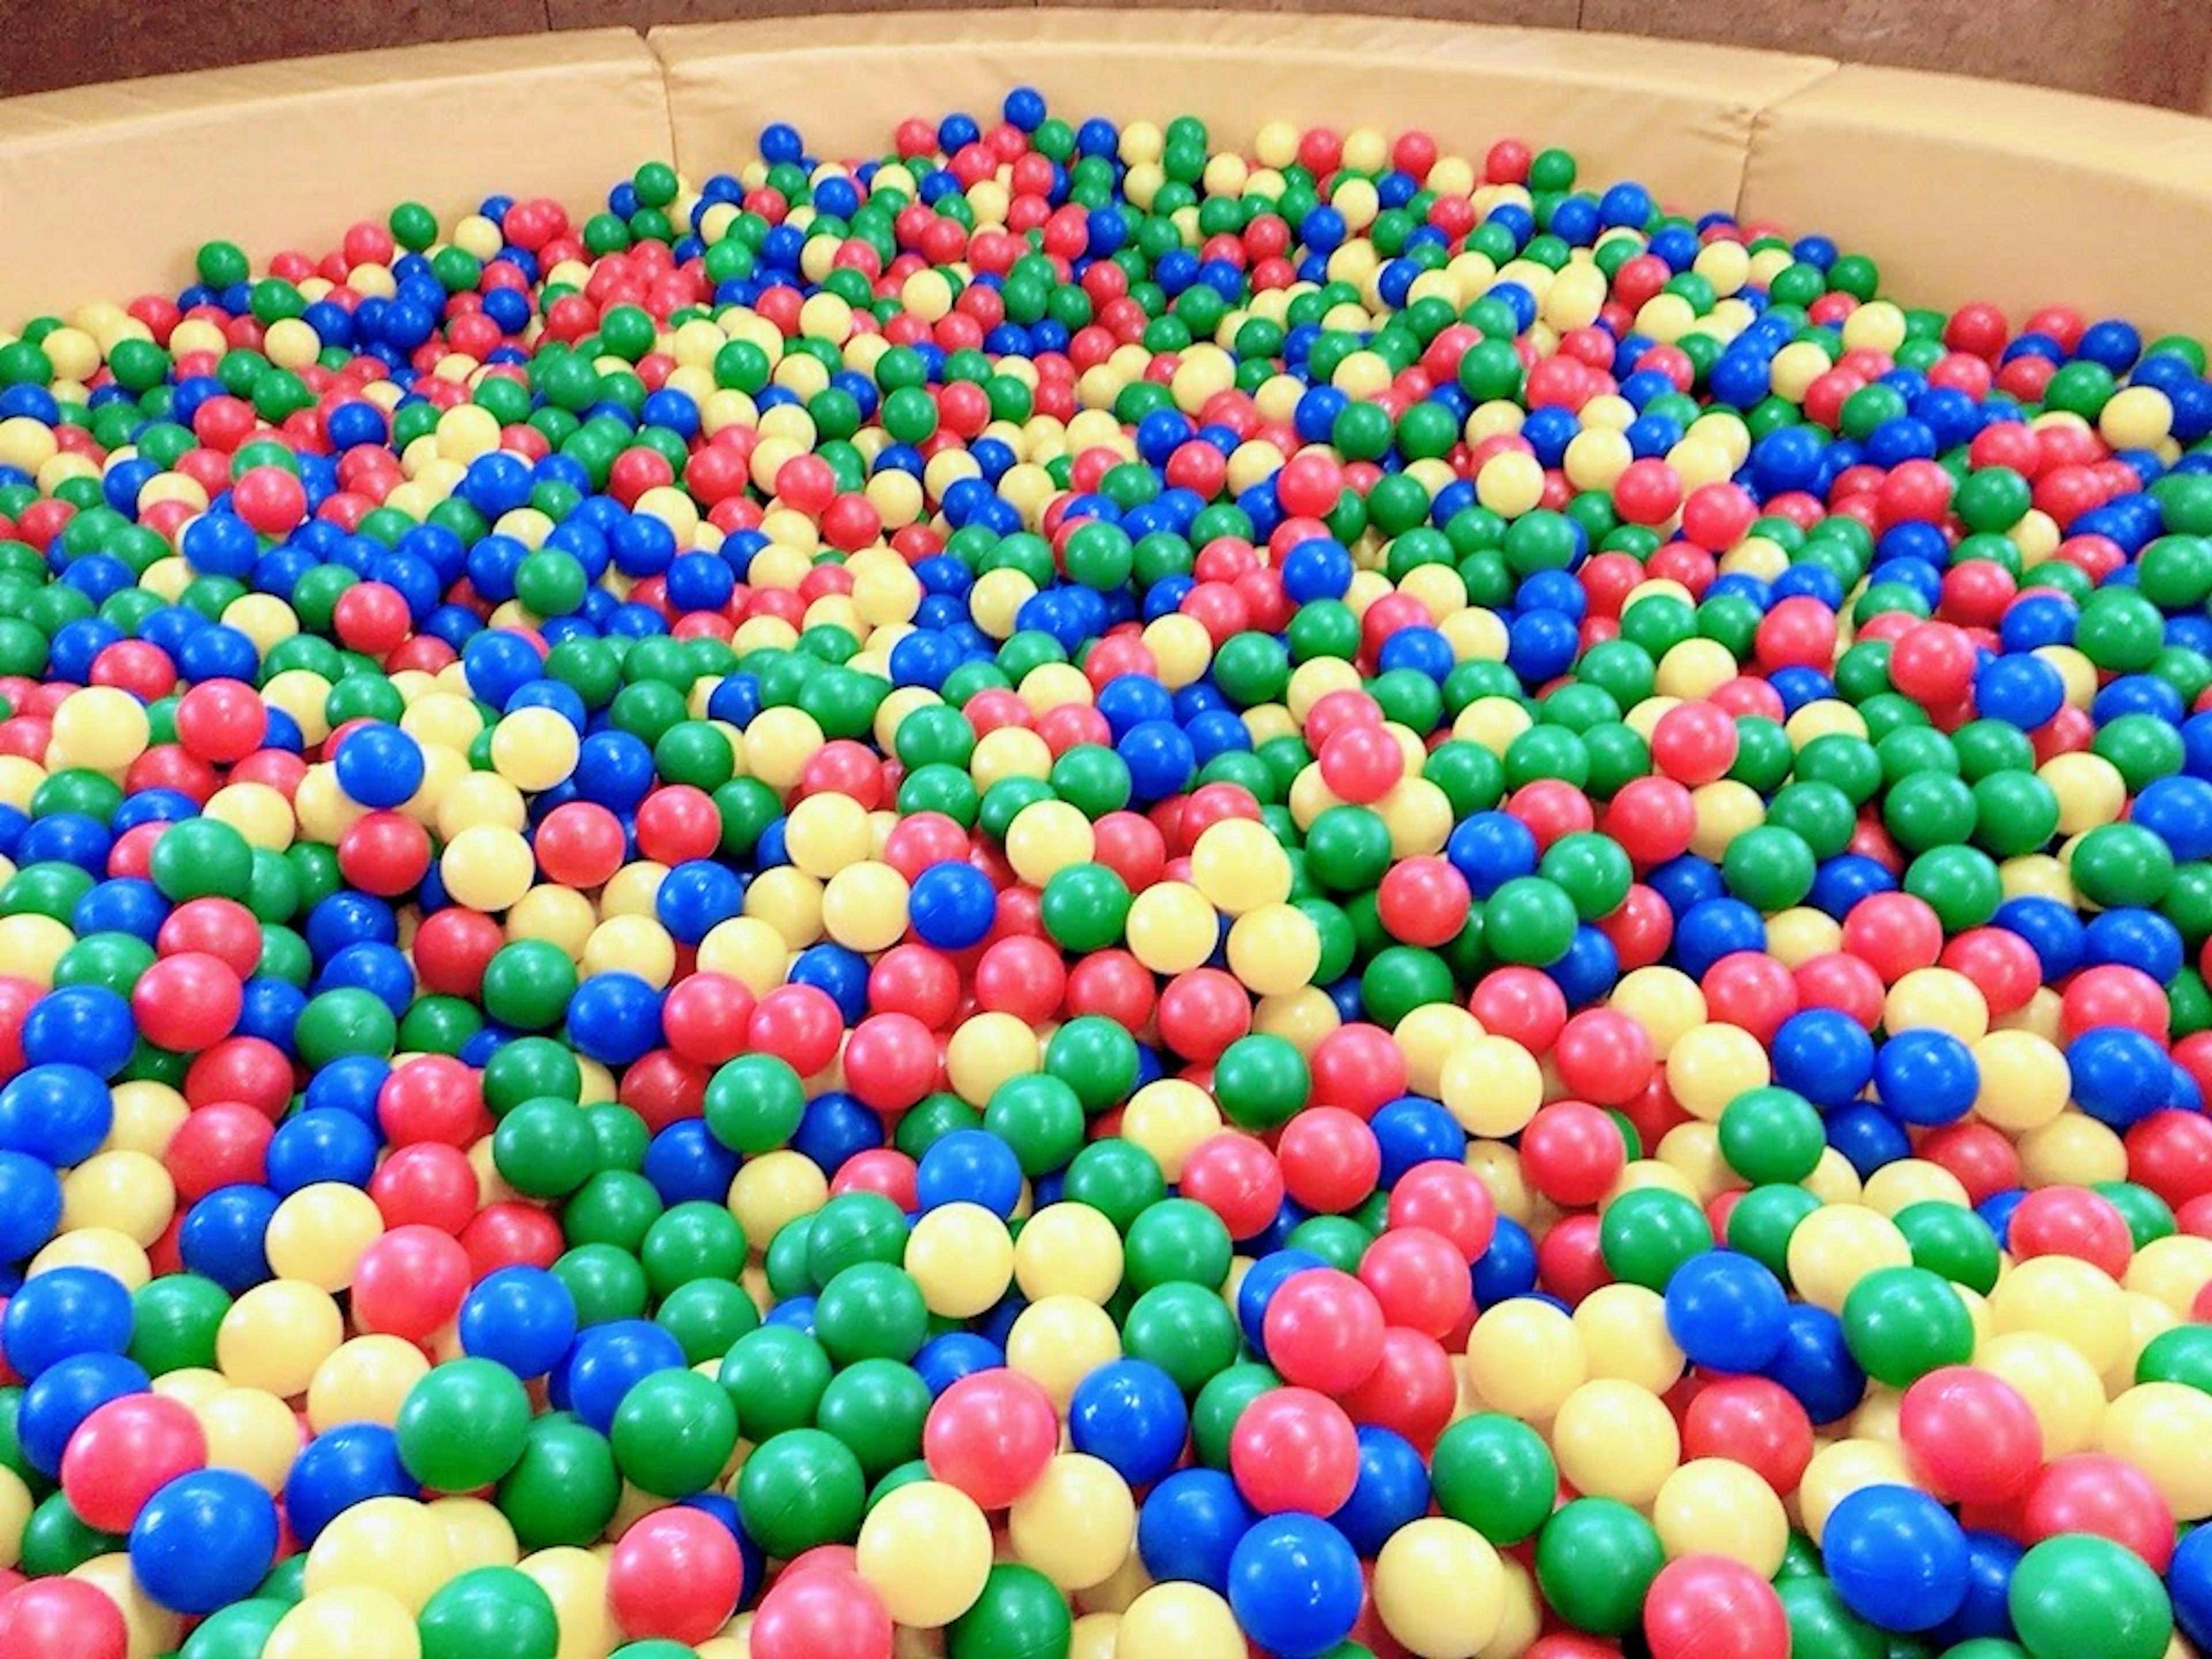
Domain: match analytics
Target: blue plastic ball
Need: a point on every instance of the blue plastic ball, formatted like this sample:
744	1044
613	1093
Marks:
204	1540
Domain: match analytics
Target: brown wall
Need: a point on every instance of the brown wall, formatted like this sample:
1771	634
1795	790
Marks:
2152	51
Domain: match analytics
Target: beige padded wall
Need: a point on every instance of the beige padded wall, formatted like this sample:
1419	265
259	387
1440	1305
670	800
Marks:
1959	188
1969	190
109	188
1678	117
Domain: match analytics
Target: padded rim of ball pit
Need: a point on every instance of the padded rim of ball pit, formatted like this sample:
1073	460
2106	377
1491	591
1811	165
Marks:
1678	117
108	189
1961	188
1965	189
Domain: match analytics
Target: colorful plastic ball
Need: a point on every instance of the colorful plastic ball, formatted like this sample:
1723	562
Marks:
1323	1330
55	1618
1969	1437
925	1549
490	1610
1710	1606
204	1540
1440	1590
463	1426
1294	1449
1131	1415
124	1452
1596	1561
1020	1612
1897	1556
1726	1311
2081	1595
675	1573
1294	1584
822	1611
990	1436
1190	1525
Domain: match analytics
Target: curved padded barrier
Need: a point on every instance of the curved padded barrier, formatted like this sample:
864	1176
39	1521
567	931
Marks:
1961	189
1678	117
1970	189
107	190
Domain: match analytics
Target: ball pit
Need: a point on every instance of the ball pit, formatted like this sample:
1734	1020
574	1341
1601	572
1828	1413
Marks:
1532	985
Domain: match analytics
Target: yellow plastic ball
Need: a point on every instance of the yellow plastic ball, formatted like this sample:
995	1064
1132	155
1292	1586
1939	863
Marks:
1440	1588
1045	837
1838	1245
123	1191
1716	1506
1616	1440
394	1544
2062	1388
534	748
276	1334
1524	1357
1665	1001
960	1257
346	1624
1239	866
319	1233
1179	1620
1058	1340
1171	928
925	1550
1493	1087
985	1050
1711	1065
1274	950
575	1582
1168	1117
1068	1249
364	1381
487	867
478	1534
864	906
1076	1523
825	833
2065	1298
252	1430
2165	1429
1623	1329
1937	998
102	727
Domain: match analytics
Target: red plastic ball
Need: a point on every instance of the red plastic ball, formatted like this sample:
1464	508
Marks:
1418	1280
1754	1422
675	1574
1323	1330
1236	1177
890	1061
1330	1159
1572	1153
1693	743
125	1452
1604	1057
1423	900
991	1434
61	1619
188	1002
2072	1221
1411	1391
1449	1200
1969	1437
2089	1491
1358	1067
821	1610
1294	1449
409	1282
1712	1606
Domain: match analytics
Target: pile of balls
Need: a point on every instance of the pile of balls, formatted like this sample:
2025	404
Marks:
1078	895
